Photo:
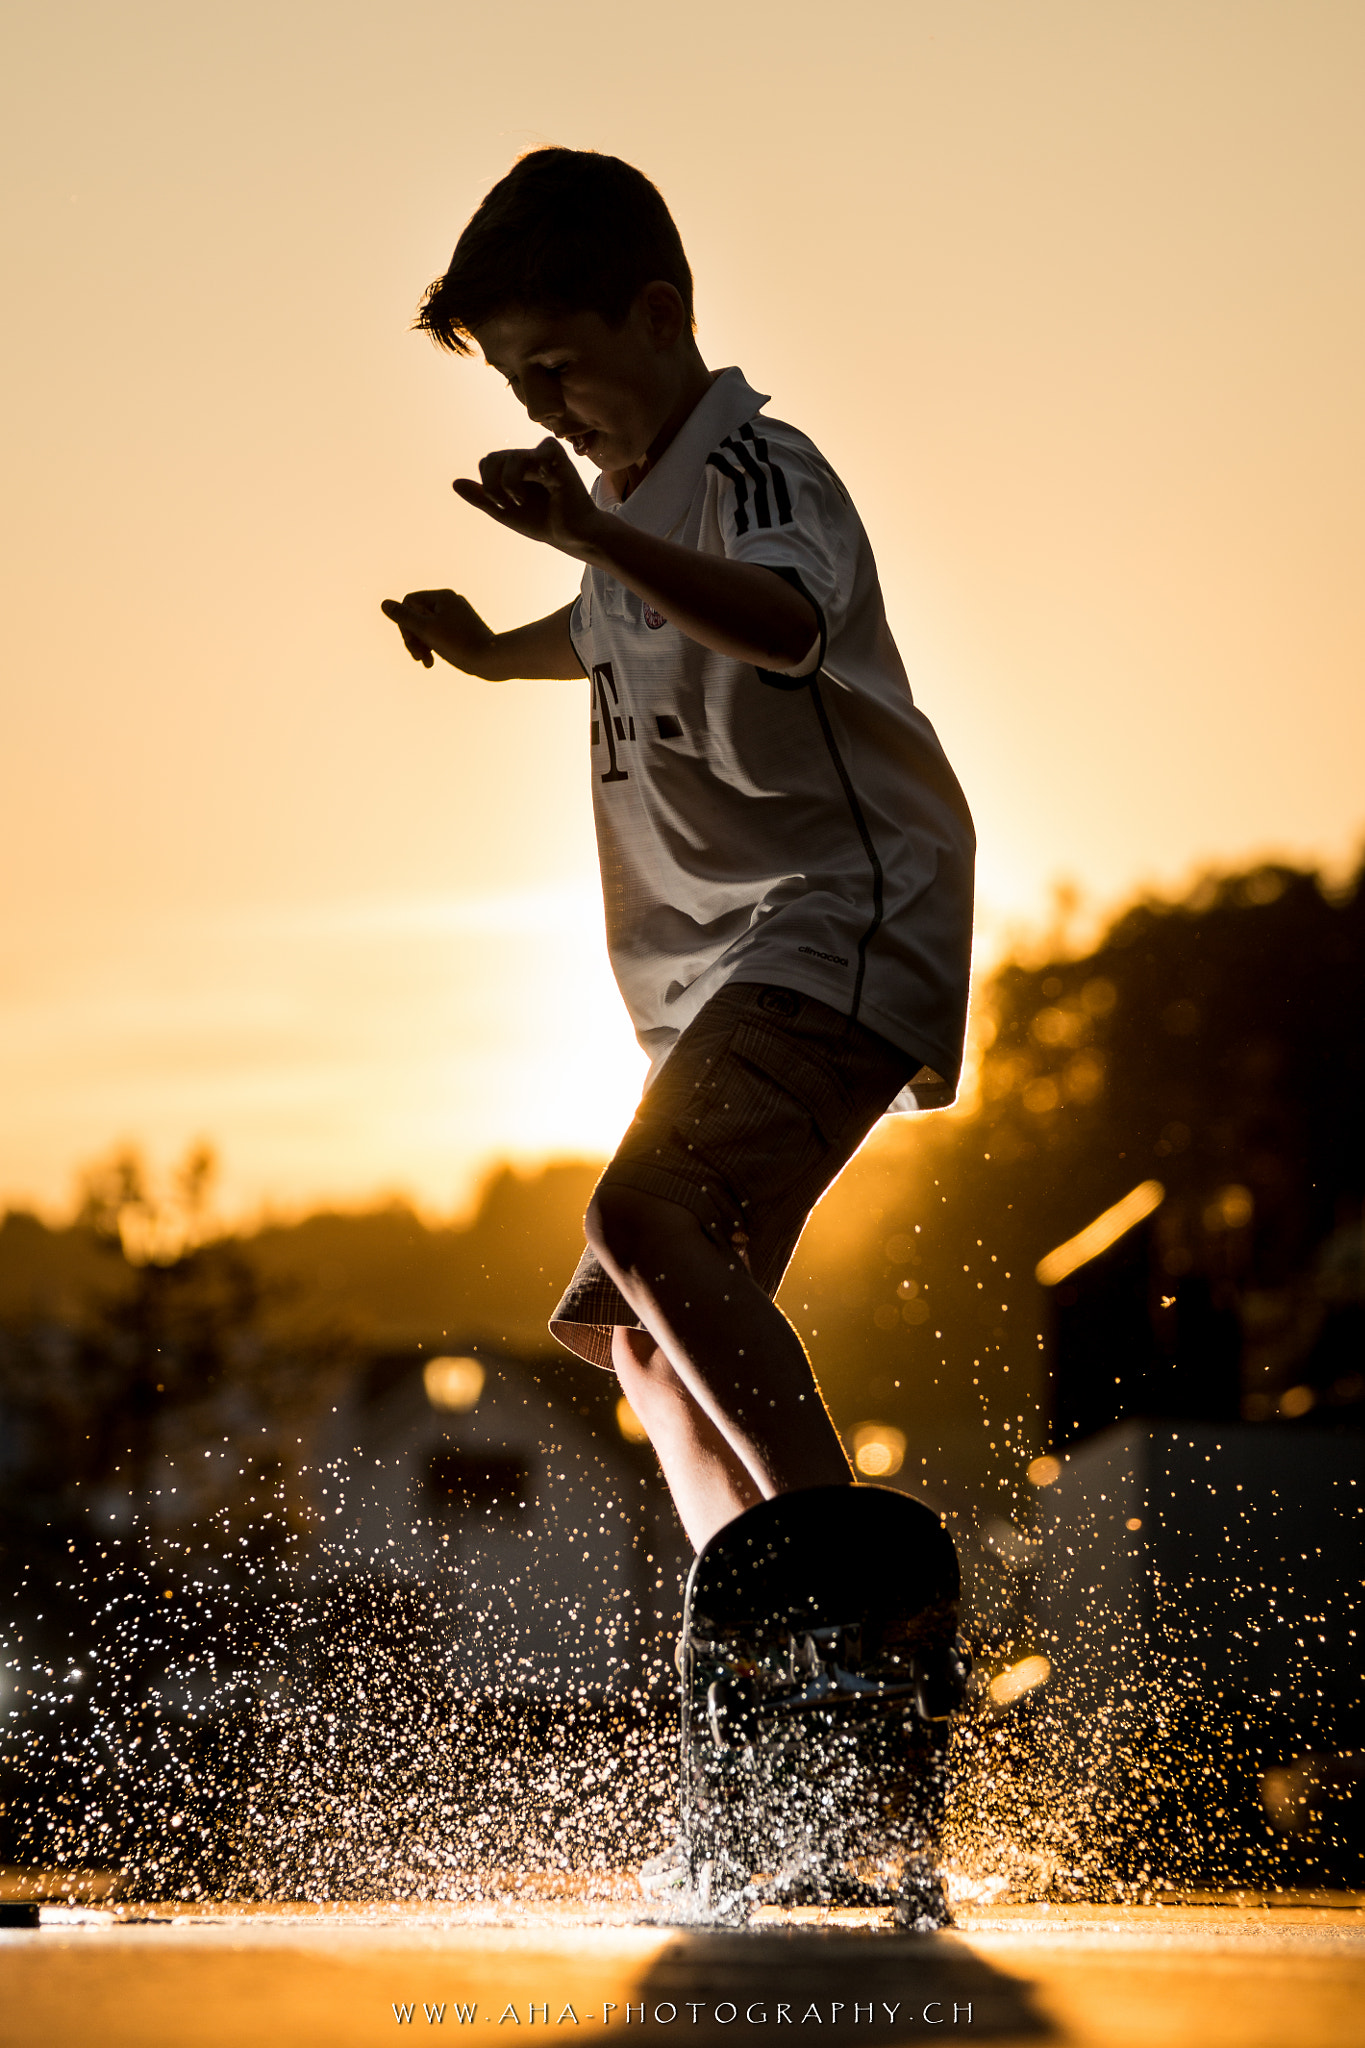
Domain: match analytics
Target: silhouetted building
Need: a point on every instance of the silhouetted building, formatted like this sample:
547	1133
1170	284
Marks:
1132	1338
1198	1596
540	1538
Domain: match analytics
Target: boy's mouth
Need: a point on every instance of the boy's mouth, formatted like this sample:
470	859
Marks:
581	441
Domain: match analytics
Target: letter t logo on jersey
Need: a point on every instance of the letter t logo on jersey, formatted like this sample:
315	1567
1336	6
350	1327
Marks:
607	722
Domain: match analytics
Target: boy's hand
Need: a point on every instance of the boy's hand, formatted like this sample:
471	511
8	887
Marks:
439	622
538	493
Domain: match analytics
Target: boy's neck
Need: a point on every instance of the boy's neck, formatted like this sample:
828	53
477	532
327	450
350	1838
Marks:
694	381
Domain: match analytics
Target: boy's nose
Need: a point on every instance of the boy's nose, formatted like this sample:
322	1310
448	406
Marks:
541	397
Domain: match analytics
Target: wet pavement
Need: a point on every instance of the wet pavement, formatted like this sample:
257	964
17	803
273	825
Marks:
1234	1972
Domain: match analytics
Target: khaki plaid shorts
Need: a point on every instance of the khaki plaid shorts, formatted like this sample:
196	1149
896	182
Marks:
760	1105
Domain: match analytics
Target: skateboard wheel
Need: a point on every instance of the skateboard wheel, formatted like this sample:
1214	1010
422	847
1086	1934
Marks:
940	1692
920	1904
730	1713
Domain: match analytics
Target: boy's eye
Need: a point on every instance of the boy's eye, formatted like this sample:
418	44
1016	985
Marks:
547	369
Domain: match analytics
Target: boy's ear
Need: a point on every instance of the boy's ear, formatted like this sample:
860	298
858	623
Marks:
664	313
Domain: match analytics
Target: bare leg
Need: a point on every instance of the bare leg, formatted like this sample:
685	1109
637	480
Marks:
732	1350
709	1484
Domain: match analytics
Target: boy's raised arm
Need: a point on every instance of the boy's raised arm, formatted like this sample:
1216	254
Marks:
441	622
735	608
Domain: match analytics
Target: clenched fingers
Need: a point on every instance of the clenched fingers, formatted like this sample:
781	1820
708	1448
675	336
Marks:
406	621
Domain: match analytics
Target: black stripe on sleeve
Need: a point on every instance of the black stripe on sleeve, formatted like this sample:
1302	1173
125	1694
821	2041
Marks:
780	494
765	517
741	484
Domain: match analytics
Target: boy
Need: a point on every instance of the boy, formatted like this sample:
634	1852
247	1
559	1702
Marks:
786	855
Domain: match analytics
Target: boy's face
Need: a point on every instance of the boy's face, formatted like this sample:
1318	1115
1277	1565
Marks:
607	391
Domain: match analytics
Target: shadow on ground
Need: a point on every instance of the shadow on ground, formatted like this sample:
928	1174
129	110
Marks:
887	1988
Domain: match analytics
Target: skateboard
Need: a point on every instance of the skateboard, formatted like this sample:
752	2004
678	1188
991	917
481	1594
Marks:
821	1667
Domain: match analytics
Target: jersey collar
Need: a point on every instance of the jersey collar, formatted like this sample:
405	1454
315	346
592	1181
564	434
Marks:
659	503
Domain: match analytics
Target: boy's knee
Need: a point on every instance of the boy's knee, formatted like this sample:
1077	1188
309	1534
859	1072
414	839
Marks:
628	1230
612	1227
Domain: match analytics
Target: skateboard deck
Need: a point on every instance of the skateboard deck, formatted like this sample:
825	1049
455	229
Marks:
821	1667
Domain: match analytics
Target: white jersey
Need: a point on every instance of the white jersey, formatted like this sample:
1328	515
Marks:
801	827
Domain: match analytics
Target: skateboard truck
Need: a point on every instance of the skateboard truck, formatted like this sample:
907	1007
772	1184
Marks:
823	1669
829	1662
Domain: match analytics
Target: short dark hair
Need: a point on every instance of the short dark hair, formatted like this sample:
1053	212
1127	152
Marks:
566	229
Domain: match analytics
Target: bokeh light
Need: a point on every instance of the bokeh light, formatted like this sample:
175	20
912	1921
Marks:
453	1383
629	1423
1106	1229
878	1449
1017	1679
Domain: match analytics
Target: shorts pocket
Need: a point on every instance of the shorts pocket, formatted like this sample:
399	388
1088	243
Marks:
762	1121
783	1063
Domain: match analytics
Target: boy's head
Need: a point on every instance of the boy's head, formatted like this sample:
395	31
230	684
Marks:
566	231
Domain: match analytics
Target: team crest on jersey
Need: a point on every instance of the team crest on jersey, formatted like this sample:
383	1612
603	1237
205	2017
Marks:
653	619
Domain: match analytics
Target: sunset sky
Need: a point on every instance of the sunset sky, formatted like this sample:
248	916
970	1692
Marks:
1070	294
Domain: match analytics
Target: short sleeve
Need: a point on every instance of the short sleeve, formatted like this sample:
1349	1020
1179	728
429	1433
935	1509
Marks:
781	507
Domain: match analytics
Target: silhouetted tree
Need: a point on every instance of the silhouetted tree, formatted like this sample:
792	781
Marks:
177	1340
1216	1044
